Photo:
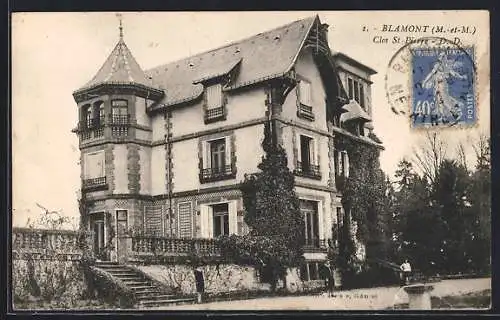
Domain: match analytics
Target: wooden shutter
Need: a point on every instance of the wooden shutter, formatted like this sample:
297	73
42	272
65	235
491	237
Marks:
204	223
210	221
227	151
299	148
305	92
205	150
233	217
214	96
346	169
185	219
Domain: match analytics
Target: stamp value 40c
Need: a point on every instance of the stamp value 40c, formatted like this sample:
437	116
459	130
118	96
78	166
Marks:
443	91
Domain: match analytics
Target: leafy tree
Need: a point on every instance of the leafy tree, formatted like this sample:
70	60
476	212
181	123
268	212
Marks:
273	213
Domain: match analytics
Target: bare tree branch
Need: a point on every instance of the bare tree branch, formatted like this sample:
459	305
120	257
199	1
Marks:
429	155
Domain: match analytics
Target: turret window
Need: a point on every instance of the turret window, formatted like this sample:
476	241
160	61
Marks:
304	100
119	112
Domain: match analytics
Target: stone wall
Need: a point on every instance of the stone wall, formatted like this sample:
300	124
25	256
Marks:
218	279
46	266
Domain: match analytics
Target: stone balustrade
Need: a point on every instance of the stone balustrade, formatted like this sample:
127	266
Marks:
46	244
173	246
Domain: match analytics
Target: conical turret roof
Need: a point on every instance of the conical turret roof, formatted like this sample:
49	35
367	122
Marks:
120	68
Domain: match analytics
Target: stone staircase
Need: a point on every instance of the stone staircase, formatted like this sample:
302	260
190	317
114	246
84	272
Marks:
146	293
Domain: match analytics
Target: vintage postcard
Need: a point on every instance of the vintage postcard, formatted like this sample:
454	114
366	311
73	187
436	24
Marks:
250	161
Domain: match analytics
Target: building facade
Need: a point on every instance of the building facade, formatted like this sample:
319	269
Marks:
163	151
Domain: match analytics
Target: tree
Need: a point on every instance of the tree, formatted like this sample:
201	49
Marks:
273	213
430	155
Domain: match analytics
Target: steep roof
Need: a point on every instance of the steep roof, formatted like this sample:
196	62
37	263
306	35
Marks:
263	56
350	60
119	68
354	111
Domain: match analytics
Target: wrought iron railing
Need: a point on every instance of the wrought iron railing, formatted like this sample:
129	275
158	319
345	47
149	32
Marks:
308	170
304	111
217	173
315	243
215	114
94	183
120	119
174	246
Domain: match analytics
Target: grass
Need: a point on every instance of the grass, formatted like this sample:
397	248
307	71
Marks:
473	300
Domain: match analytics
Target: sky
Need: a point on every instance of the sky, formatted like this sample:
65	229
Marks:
53	54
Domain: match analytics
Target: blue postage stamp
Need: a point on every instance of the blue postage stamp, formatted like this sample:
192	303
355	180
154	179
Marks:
443	87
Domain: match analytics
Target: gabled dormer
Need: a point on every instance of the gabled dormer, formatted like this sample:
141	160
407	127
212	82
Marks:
214	81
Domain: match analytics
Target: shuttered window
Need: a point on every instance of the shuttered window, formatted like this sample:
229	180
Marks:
93	165
305	92
185	219
214	96
153	216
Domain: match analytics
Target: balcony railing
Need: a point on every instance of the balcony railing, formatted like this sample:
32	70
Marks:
315	244
215	114
304	111
308	170
120	119
142	245
90	124
217	173
95	183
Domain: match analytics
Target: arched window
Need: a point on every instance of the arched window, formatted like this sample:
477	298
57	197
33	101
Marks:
99	111
88	115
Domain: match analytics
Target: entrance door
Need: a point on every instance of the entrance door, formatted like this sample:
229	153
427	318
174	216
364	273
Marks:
97	228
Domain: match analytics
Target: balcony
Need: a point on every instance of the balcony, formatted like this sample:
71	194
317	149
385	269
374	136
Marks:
95	184
217	174
315	245
120	120
215	114
305	112
308	170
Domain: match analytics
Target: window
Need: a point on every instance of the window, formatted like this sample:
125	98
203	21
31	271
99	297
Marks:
214	104
307	158
217	160
100	108
217	155
305	100
356	91
122	221
94	170
220	219
89	115
310	211
119	112
342	164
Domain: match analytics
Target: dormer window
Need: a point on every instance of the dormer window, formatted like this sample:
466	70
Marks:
356	91
304	100
214	99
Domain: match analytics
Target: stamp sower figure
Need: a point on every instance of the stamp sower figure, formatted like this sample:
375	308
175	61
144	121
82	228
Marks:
406	272
330	284
200	282
437	79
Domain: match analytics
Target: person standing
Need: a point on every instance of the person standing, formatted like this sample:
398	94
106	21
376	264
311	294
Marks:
200	282
406	271
330	283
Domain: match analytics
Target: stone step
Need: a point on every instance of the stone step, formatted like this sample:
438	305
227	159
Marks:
156	297
136	283
166	302
140	288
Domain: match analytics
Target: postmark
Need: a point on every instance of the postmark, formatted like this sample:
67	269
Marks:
432	82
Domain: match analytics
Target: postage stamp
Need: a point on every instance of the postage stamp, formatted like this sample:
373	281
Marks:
443	87
432	81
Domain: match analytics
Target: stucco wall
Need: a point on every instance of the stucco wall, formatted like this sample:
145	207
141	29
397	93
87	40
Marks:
185	165
145	165
120	159
140	111
241	106
158	170
158	125
305	67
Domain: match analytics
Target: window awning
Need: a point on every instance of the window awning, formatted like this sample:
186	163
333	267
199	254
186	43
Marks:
217	71
354	112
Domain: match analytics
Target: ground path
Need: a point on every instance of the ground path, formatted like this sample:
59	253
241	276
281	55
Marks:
358	299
